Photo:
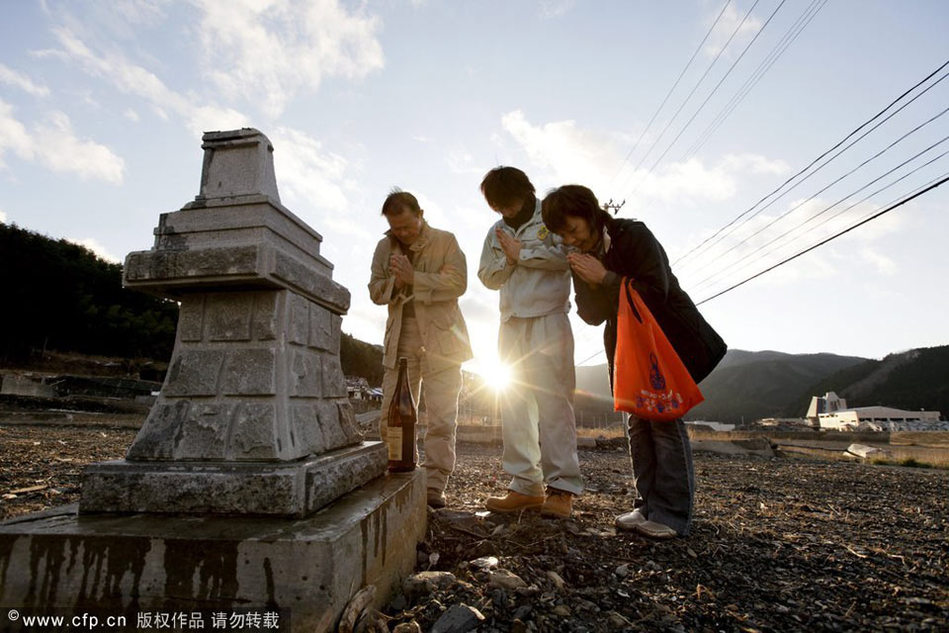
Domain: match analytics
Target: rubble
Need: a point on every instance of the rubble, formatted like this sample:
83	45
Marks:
777	544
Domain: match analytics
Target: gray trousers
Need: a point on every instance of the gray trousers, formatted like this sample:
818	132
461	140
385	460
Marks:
538	427
662	471
441	383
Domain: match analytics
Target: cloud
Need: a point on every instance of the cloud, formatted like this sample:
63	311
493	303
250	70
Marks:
137	12
460	161
754	164
883	264
575	155
96	248
266	52
13	134
3	216
54	144
555	8
135	80
60	149
313	176
726	26
572	154
766	239
17	80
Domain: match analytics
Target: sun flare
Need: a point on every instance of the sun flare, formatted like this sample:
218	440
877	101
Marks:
496	374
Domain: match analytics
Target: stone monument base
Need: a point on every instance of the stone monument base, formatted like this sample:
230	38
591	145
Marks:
307	570
291	489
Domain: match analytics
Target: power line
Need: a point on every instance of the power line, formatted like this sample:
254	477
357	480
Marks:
822	156
828	208
671	90
710	95
938	183
933	184
880	190
694	88
789	37
813	196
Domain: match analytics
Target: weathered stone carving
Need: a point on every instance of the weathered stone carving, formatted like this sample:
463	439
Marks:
253	416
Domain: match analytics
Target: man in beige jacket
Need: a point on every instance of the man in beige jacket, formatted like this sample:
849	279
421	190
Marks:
419	273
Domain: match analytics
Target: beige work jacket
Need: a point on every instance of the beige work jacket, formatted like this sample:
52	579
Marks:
441	276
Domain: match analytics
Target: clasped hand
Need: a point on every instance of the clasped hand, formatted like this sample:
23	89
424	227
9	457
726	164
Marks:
510	245
587	267
401	268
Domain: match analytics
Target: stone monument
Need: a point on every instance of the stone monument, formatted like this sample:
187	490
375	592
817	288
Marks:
248	483
253	417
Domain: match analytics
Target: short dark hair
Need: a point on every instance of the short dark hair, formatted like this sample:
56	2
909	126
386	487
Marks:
503	185
398	201
572	200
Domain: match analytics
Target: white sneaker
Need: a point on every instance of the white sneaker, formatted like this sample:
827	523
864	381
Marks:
653	529
630	520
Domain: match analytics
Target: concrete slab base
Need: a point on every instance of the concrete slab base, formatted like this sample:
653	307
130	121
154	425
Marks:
758	446
307	569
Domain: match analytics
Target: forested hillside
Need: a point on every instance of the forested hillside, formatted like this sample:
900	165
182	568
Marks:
61	296
361	359
917	379
747	386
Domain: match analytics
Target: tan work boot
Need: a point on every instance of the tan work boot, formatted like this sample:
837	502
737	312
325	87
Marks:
436	499
513	502
559	503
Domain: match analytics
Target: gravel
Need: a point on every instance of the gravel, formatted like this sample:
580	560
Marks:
778	544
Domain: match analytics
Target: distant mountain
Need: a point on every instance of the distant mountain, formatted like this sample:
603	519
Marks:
359	358
61	296
747	386
917	379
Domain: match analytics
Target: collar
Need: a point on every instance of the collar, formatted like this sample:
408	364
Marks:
524	215
424	235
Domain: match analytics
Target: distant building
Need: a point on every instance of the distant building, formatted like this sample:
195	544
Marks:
358	388
831	412
881	419
829	403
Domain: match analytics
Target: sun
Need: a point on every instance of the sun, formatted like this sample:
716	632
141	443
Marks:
496	374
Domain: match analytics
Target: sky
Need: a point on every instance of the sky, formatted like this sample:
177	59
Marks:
689	112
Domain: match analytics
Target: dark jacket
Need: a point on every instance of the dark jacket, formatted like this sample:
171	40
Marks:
635	253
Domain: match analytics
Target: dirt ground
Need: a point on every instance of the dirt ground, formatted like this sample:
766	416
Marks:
778	544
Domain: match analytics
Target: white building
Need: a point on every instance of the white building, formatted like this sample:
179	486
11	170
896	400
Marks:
831	412
880	419
829	403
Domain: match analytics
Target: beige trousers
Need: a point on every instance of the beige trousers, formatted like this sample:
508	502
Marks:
538	428
441	387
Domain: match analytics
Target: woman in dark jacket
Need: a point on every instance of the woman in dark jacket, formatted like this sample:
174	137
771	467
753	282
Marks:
606	250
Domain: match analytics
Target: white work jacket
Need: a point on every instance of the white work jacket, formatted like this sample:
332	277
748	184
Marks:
539	282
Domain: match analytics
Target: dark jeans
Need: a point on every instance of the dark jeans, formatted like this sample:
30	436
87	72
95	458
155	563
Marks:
662	471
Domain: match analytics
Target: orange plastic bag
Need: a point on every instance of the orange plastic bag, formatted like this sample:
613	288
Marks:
649	379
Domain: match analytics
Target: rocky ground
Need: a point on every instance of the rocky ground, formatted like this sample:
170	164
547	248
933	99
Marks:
779	544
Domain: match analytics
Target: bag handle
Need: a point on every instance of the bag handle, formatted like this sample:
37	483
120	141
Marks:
627	282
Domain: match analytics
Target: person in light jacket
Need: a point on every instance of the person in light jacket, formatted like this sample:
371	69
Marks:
419	272
528	264
606	250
